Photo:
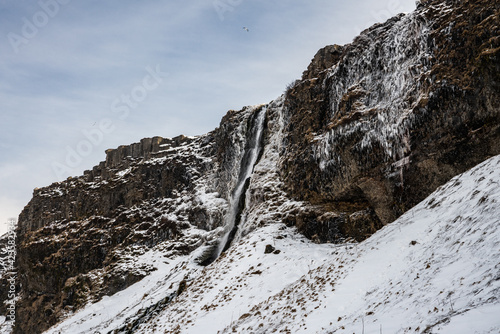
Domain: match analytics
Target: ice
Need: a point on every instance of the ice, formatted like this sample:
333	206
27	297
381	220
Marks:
246	169
389	72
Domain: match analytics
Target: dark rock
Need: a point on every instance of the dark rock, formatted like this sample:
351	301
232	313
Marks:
340	155
269	249
182	287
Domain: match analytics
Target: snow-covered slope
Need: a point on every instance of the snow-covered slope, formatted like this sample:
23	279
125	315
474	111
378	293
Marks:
434	270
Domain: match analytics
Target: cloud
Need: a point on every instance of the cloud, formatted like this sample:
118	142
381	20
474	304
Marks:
12	200
8	210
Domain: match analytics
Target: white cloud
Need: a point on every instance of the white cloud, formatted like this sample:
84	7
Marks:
9	208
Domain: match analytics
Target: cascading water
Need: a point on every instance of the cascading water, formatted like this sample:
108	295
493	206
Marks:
250	157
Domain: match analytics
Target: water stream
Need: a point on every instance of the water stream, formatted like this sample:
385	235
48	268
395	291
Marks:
237	202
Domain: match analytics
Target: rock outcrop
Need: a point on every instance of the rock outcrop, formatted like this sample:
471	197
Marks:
405	107
369	131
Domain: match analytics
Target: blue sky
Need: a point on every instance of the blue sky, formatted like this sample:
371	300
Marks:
112	72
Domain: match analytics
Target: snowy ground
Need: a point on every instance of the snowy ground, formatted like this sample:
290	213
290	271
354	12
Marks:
112	312
435	270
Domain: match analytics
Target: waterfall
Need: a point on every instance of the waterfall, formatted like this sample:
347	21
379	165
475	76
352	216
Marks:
237	202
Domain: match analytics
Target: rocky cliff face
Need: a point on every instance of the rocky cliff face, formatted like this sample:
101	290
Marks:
402	109
369	131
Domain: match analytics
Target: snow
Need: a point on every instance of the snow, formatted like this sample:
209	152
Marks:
226	290
434	270
484	318
124	172
5	327
112	311
437	262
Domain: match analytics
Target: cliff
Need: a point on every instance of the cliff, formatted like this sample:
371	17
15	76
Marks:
369	131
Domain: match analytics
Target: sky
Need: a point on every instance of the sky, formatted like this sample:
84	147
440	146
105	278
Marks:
80	77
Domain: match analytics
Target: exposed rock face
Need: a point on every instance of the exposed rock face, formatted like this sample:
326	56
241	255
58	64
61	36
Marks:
409	104
75	233
370	130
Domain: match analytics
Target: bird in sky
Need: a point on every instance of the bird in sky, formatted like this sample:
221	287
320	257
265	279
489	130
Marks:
246	29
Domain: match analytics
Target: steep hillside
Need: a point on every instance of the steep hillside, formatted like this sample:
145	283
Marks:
434	270
370	130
